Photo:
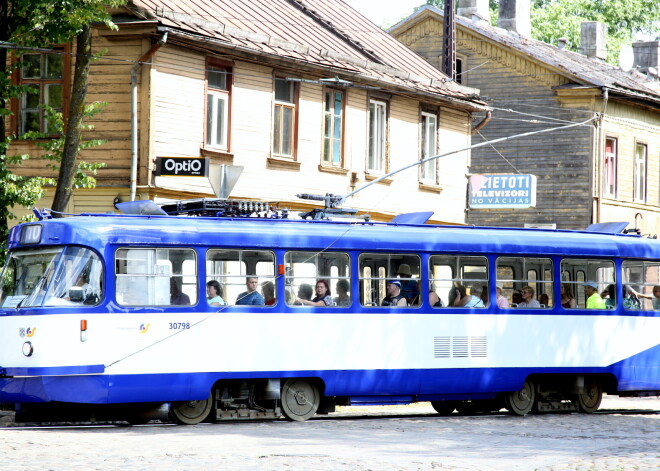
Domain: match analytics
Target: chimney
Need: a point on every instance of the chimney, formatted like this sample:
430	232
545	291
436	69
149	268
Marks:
474	9
515	16
647	55
593	39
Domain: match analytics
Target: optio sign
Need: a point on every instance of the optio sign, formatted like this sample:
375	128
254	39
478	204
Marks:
181	166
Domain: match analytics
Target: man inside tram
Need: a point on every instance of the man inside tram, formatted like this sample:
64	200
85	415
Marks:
409	286
594	300
394	297
251	297
177	297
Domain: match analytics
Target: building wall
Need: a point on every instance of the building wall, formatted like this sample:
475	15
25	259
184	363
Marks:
568	164
629	126
178	125
171	119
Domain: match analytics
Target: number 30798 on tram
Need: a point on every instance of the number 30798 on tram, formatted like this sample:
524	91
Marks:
132	317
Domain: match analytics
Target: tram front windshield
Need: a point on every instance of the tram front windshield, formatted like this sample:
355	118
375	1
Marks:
51	277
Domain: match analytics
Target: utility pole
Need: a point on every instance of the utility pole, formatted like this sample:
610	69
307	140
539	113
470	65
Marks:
449	40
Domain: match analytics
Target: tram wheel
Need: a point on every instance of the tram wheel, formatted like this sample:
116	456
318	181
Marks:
444	407
191	412
589	400
521	402
300	399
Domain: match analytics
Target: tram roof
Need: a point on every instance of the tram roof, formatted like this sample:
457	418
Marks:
100	230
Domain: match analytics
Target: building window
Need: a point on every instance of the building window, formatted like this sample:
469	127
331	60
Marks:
640	174
218	89
459	70
284	118
44	74
333	127
611	151
377	136
429	124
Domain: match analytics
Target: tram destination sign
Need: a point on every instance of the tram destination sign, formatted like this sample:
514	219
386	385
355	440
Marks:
182	166
502	191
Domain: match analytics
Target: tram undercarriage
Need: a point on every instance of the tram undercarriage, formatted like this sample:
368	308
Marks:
298	399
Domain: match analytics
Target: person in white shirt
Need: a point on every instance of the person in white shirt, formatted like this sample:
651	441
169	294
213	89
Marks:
528	298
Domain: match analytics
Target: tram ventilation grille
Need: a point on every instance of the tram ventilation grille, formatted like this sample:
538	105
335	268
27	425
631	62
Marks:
460	347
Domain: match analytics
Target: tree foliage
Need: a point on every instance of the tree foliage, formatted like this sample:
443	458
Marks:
554	19
40	23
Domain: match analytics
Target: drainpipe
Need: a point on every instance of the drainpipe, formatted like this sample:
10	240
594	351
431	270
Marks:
483	122
134	114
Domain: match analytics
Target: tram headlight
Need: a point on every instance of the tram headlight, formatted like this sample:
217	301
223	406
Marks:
28	349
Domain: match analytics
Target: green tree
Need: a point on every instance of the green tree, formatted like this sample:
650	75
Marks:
554	19
42	23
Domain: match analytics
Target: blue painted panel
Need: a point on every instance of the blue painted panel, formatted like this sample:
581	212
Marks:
639	372
636	373
55	370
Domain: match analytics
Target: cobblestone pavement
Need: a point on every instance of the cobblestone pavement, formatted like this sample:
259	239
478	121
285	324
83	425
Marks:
387	439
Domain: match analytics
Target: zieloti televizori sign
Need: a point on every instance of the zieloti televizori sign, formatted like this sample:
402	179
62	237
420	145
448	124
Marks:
182	167
502	191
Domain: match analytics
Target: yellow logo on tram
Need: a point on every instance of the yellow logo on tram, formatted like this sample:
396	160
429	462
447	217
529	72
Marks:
144	328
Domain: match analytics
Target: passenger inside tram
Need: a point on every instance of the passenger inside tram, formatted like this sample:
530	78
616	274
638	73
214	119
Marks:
214	293
458	297
394	297
343	298
268	292
251	297
177	298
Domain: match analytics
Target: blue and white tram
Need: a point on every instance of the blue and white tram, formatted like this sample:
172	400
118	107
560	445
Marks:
110	312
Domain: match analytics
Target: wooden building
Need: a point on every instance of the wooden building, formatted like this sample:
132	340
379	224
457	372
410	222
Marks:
606	171
306	96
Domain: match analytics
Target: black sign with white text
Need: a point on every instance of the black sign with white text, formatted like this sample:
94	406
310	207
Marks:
182	167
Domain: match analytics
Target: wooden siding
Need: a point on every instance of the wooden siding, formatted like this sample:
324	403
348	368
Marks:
567	163
171	119
178	110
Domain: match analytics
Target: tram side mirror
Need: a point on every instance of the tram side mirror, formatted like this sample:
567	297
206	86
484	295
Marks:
76	294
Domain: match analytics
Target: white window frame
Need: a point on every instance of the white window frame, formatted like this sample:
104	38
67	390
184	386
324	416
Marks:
330	131
377	137
215	98
429	147
610	166
279	107
639	176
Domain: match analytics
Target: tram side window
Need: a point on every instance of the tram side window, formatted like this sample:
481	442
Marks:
459	281
155	276
641	284
375	271
310	274
526	281
234	270
582	278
